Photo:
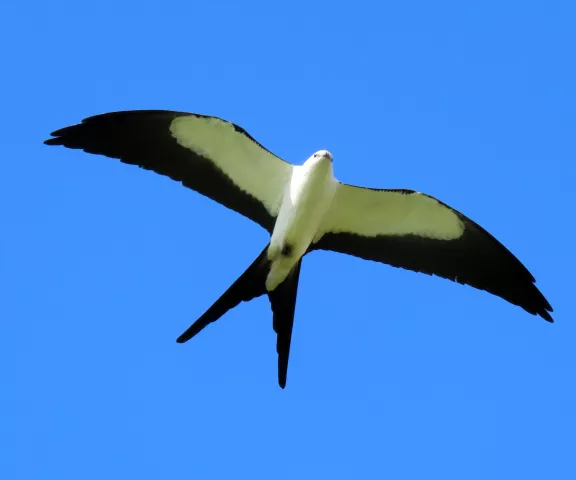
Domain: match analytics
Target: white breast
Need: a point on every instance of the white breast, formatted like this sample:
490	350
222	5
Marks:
306	200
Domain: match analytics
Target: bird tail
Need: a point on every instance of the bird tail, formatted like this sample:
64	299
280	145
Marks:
283	302
252	284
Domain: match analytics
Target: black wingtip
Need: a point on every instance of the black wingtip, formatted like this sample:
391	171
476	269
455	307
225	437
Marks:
52	141
57	136
543	308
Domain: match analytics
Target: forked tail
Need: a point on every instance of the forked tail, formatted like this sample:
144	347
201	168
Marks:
283	302
252	284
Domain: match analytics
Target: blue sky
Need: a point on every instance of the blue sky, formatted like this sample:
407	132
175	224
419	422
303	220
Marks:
392	374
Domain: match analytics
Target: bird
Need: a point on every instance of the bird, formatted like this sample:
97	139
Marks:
304	209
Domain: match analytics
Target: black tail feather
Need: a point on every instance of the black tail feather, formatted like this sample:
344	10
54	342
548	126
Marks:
251	284
283	302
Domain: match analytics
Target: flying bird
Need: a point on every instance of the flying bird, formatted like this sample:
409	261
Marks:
304	208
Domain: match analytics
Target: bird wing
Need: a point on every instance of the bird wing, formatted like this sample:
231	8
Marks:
207	154
411	230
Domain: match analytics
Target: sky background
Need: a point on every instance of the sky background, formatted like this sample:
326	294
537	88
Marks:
392	374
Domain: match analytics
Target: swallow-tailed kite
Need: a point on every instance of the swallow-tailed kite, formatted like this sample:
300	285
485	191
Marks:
304	208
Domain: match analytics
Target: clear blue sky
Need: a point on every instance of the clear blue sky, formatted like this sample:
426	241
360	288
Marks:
392	374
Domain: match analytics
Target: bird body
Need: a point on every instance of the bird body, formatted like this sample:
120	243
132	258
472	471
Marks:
306	200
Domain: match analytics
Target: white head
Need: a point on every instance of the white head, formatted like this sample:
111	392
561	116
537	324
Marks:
322	154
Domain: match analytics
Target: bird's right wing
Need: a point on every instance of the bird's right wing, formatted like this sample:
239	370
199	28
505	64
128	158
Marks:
207	154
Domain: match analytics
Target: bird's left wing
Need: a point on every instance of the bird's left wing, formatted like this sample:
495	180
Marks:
207	154
408	229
